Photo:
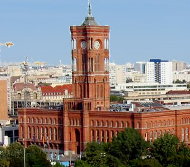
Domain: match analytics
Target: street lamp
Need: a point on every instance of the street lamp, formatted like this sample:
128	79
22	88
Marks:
24	153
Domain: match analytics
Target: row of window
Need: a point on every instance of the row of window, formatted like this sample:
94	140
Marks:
114	124
152	135
159	124
185	121
42	133
103	135
55	93
42	120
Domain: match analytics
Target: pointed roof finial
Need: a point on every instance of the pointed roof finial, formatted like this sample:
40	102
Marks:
89	20
89	9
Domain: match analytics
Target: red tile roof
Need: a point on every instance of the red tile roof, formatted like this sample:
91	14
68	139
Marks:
57	89
21	86
178	92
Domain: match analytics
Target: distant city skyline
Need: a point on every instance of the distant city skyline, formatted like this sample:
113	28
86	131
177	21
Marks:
140	29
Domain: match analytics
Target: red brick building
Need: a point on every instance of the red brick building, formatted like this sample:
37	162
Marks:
87	116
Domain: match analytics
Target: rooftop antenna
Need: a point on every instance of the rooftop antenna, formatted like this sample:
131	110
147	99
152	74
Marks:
89	8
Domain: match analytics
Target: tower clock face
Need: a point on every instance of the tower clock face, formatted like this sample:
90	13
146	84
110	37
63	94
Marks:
96	44
83	44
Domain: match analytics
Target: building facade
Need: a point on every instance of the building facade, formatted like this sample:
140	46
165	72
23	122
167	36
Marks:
87	116
4	99
159	71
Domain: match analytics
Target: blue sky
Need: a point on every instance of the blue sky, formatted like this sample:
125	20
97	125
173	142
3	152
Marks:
140	29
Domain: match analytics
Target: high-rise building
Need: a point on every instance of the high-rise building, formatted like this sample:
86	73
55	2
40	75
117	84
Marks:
159	71
178	65
140	66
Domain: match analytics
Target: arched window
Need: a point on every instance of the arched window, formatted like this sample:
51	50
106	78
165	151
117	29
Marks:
78	122
155	134
92	136
168	122
127	124
29	133
46	133
102	136
138	125
107	136
50	134
164	123
50	121
160	123
146	125
122	124
35	95
155	124
117	124
97	123
146	136
55	134
182	134
97	136
21	131
111	124
112	134
19	96
186	134
37	133
33	133
41	133
151	136
54	121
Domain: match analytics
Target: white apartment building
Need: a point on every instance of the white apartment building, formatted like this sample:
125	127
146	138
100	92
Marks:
182	75
159	71
117	73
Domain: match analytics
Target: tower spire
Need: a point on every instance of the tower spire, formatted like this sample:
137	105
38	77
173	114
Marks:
89	8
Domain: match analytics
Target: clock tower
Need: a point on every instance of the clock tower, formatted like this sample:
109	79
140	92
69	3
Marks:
90	81
90	62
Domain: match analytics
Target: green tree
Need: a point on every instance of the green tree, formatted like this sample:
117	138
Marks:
164	149
81	163
145	163
4	163
35	157
183	156
128	145
114	98
95	154
14	154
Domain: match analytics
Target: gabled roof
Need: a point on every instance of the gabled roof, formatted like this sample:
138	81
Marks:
56	89
178	92
21	86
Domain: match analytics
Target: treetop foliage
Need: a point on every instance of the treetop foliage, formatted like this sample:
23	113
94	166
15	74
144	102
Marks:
129	149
